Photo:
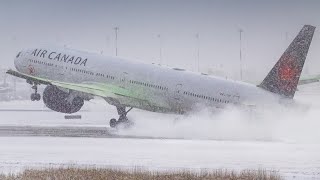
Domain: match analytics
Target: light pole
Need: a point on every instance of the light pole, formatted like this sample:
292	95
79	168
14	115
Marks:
240	32
198	51
116	29
160	49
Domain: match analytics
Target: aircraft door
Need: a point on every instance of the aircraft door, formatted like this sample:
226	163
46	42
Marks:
178	97
123	80
178	92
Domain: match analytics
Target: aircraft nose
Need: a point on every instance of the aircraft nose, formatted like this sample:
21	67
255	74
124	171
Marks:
17	61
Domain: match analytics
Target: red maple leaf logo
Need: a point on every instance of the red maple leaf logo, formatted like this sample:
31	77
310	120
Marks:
288	70
31	70
287	74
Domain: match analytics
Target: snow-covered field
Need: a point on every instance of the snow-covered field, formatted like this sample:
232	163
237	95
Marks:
288	142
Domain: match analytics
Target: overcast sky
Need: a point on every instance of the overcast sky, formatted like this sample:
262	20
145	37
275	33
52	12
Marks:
269	26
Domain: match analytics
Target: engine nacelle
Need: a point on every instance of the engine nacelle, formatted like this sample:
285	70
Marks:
59	101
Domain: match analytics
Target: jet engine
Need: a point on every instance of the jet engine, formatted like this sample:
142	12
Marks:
61	101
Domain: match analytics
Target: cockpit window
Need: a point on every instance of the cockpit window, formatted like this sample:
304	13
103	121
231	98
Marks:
18	54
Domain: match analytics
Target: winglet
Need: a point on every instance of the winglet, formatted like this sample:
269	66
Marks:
284	76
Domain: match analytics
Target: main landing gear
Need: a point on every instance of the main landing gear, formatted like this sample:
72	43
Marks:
123	120
35	96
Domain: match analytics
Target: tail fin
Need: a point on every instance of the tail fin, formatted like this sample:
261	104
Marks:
284	76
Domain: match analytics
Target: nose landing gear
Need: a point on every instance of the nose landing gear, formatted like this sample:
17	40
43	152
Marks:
35	96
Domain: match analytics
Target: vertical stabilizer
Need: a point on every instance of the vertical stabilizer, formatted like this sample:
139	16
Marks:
284	76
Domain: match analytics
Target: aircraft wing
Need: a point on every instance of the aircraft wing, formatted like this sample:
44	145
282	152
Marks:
92	88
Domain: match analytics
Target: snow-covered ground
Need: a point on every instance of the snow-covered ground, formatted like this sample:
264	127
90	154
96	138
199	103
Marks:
291	159
288	142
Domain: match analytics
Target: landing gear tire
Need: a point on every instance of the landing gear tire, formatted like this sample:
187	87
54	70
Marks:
35	97
113	123
123	120
38	97
32	97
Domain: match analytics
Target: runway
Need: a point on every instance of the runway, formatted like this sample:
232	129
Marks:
41	131
63	131
29	110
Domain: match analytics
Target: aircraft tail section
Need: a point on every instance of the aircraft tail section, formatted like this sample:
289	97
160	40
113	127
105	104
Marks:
284	76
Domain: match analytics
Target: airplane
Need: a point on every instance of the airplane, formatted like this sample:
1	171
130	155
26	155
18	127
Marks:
73	77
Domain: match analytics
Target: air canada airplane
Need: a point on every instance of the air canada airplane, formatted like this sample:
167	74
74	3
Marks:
73	77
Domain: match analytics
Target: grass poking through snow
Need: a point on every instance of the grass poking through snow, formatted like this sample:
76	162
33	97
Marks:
73	173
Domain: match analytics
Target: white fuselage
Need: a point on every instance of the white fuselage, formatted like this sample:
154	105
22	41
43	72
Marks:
173	90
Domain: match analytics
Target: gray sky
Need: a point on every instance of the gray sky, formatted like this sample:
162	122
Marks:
268	26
